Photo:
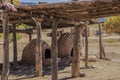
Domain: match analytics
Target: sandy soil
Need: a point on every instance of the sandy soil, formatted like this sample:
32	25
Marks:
104	69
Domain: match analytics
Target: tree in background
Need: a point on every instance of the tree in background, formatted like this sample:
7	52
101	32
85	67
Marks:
22	26
15	2
112	24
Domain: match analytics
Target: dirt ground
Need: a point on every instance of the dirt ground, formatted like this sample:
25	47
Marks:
104	69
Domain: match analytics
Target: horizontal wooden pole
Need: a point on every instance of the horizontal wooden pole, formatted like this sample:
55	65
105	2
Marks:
80	10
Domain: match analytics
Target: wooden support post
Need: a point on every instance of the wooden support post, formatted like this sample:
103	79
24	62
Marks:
86	46
15	46
30	37
54	51
83	41
100	41
38	48
77	50
6	67
103	52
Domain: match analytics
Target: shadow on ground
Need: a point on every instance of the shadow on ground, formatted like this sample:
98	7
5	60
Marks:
29	70
66	78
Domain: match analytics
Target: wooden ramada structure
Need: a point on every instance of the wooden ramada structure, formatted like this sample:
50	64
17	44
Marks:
71	13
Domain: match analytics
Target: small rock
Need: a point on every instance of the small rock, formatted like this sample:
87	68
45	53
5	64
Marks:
92	58
82	74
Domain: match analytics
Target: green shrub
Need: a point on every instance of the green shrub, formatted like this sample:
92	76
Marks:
10	37
110	40
1	35
18	36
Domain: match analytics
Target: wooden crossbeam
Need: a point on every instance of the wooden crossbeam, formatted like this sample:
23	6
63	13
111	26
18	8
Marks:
29	31
80	10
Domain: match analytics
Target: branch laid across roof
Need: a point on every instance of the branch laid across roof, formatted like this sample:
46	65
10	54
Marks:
81	10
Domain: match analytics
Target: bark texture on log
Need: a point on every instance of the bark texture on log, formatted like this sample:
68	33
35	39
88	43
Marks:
39	51
38	48
6	66
77	50
54	51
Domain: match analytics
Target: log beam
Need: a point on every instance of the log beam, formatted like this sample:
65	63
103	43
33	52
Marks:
54	51
72	11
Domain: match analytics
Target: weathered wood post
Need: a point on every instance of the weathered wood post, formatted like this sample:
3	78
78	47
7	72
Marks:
14	45
38	48
83	41
100	41
54	51
86	46
6	66
102	50
30	37
77	50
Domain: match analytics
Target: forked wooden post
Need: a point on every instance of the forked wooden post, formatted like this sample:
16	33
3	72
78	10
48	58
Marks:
38	48
14	45
54	51
6	66
102	51
77	50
